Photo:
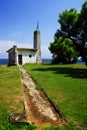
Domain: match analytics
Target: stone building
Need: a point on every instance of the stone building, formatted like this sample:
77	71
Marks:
20	56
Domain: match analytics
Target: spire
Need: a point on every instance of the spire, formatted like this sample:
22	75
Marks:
37	28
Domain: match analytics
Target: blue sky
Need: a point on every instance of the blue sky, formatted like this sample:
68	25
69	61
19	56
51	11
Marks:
18	19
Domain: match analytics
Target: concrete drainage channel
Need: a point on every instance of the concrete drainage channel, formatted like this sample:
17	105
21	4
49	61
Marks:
39	109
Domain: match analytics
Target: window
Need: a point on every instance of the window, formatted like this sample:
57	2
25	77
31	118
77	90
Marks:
30	56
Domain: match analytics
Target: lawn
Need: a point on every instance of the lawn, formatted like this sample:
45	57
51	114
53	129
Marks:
66	85
11	100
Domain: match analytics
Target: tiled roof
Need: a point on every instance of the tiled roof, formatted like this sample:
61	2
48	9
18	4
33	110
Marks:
31	49
26	49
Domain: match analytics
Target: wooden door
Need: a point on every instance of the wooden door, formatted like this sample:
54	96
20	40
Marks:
20	59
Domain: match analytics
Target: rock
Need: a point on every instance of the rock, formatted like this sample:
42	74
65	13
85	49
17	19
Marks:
17	117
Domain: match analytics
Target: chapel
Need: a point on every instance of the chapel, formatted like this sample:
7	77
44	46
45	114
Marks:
21	56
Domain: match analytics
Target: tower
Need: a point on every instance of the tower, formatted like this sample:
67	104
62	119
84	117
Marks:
37	44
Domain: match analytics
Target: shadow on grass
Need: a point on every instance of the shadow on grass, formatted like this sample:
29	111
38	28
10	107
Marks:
68	71
23	125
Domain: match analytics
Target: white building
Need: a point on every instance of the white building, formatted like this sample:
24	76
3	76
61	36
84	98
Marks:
22	56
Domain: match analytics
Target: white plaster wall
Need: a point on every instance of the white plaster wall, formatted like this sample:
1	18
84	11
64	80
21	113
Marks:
25	56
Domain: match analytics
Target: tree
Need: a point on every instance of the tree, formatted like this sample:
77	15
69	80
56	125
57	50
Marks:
67	20
63	51
76	30
73	25
79	32
62	48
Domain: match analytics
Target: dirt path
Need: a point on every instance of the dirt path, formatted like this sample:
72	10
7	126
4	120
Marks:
38	109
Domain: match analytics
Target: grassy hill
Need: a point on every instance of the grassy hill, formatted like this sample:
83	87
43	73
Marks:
66	85
11	100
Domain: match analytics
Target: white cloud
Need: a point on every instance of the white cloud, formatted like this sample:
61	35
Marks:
45	52
6	45
24	45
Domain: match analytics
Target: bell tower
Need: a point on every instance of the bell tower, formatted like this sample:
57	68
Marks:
37	44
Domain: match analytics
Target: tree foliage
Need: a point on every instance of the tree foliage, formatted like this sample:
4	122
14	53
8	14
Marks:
67	19
63	51
62	48
73	25
80	33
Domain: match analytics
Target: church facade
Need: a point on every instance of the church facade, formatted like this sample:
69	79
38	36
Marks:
21	56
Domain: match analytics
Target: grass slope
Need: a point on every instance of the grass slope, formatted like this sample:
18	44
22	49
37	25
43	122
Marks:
66	85
11	98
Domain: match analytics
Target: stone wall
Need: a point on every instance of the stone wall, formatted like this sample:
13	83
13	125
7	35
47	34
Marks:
37	45
12	56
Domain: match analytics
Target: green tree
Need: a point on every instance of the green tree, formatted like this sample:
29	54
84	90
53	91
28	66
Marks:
63	48
63	51
67	20
79	32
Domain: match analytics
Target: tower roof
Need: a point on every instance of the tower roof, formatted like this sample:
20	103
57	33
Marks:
37	28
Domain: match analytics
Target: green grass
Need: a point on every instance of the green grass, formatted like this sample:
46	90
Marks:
11	98
66	85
